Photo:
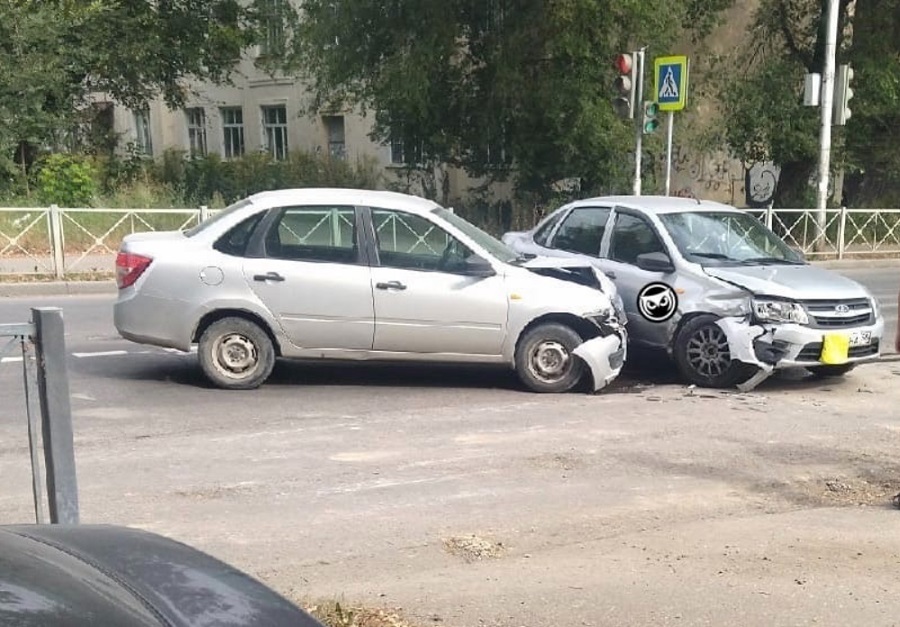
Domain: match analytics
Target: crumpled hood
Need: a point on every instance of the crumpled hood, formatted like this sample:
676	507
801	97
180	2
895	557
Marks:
568	263
806	282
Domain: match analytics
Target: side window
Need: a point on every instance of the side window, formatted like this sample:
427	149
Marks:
412	242
541	235
314	234
582	231
633	236
235	241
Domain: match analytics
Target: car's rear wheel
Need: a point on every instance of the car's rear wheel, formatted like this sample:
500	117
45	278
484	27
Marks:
831	371
703	356
545	361
236	354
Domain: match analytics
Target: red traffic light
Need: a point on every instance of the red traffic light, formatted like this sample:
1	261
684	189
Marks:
623	63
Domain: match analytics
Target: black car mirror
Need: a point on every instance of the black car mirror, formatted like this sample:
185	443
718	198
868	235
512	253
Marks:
655	262
478	266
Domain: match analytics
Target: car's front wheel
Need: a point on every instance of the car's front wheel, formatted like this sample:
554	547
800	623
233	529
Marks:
236	354
703	357
545	361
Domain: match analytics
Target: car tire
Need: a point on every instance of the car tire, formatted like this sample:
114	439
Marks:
825	372
703	358
236	354
545	361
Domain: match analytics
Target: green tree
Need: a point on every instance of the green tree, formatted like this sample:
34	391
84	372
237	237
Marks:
762	98
502	88
55	53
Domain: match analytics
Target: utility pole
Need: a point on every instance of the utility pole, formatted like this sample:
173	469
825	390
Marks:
825	133
638	127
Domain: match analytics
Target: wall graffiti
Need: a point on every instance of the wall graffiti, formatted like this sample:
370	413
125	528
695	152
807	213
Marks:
716	176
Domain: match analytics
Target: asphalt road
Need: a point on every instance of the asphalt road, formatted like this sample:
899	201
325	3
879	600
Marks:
451	493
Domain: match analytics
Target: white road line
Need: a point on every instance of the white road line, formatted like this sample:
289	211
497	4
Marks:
100	354
9	360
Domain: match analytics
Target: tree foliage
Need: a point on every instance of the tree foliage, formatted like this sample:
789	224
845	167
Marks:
55	53
762	100
499	87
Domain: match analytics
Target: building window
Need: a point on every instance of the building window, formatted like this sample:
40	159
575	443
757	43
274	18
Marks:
274	16
142	131
233	131
275	131
196	124
334	126
405	150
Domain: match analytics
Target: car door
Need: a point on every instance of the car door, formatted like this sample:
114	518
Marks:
632	234
312	275
424	301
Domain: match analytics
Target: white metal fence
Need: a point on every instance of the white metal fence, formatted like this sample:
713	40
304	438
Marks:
68	243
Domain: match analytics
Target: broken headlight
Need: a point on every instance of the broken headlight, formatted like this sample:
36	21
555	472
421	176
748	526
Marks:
779	311
605	319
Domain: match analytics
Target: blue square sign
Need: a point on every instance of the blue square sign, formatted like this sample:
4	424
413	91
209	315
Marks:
671	82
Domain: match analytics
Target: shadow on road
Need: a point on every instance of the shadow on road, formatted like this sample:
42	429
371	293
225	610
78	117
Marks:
643	369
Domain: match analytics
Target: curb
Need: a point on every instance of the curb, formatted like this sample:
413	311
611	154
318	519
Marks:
56	288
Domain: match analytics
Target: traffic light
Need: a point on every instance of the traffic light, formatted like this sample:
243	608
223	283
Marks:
842	94
625	85
650	121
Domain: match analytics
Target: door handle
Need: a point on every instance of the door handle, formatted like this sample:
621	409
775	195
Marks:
271	276
611	275
391	285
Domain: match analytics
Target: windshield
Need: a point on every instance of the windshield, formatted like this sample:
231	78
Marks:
490	243
723	238
224	213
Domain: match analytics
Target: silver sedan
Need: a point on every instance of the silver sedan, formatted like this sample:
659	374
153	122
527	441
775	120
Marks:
352	274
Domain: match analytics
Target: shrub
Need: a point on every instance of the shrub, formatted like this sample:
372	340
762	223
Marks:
66	180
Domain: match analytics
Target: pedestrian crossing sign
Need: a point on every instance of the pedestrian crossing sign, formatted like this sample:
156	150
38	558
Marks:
671	82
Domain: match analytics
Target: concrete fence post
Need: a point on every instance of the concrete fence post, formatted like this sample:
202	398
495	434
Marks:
769	216
56	241
56	415
842	232
204	213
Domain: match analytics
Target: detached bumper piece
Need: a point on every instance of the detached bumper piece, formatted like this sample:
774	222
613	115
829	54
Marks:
605	356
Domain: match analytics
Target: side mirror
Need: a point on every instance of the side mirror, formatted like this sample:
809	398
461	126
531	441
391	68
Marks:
655	262
478	266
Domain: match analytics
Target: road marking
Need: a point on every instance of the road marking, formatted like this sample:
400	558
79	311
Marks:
100	354
9	360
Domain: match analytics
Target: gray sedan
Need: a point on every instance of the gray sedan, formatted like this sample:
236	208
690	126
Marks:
727	298
364	275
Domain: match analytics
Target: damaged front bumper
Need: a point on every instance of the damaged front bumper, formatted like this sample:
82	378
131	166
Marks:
772	347
605	356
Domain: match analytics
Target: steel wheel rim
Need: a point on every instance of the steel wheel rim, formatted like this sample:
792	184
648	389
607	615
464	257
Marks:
235	355
708	353
549	361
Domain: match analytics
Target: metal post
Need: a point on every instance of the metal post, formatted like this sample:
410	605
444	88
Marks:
826	106
669	152
637	108
31	412
56	415
769	215
842	231
204	213
56	241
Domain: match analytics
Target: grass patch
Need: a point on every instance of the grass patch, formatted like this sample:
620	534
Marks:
337	614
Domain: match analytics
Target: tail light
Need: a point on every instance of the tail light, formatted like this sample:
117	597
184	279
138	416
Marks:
129	267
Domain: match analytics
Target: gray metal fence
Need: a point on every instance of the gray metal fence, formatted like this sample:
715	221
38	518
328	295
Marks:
40	346
82	242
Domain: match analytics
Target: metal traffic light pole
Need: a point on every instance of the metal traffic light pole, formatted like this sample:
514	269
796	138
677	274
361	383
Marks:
825	133
639	118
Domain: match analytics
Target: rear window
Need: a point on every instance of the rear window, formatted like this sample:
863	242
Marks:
224	213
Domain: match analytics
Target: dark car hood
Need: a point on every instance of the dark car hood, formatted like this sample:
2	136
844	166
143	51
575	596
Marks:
91	575
798	282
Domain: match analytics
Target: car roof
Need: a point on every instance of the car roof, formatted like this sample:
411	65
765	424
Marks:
344	196
658	204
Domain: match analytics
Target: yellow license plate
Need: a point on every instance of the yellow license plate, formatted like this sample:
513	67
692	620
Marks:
835	349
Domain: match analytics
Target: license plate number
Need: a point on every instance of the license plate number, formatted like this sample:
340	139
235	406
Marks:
860	338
